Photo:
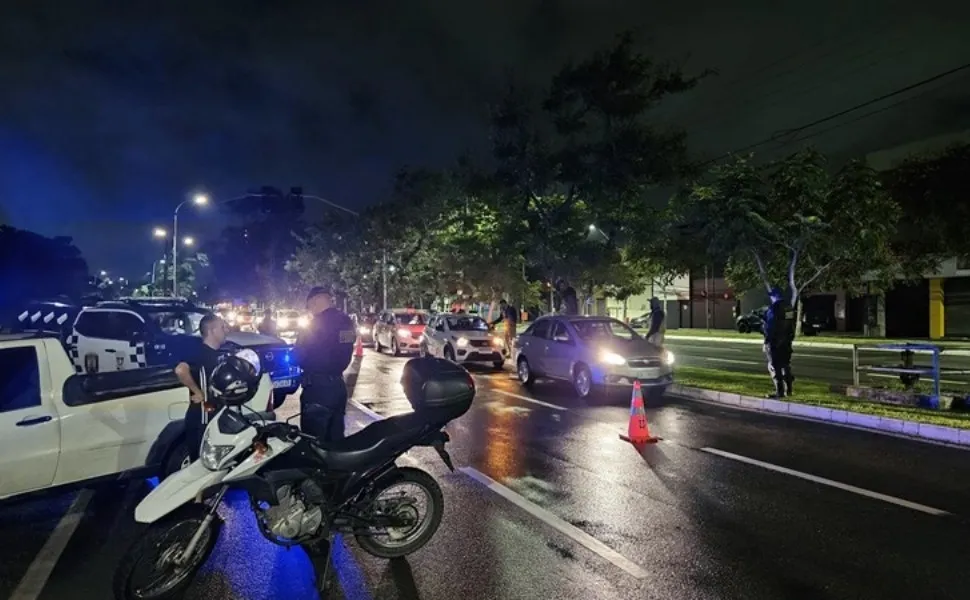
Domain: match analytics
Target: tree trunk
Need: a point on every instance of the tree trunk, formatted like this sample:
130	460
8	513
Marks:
798	317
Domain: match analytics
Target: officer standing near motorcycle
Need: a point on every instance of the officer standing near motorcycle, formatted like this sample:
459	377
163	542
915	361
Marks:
779	328
323	351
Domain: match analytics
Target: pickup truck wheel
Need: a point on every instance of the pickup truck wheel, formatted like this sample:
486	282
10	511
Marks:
178	459
137	574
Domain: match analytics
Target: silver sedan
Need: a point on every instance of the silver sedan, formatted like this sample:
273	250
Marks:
591	352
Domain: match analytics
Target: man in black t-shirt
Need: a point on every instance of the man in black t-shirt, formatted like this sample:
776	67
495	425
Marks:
192	371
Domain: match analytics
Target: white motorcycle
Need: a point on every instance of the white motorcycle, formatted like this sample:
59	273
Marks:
301	491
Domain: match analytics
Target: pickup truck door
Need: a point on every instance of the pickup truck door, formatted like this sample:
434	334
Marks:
29	424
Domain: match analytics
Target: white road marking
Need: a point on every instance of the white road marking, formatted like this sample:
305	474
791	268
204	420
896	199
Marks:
371	414
527	399
821	480
571	531
43	564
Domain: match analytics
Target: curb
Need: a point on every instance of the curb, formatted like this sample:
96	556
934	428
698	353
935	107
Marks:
874	423
798	344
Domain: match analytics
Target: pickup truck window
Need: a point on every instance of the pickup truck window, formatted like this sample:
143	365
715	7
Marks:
19	379
108	325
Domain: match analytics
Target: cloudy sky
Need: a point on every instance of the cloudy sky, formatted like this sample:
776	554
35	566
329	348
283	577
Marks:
113	111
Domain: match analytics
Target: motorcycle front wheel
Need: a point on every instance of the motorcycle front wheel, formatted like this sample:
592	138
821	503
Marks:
148	571
414	498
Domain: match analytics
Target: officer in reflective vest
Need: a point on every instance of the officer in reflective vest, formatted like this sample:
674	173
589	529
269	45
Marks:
323	351
779	331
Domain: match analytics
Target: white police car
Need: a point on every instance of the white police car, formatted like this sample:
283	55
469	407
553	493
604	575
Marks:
134	333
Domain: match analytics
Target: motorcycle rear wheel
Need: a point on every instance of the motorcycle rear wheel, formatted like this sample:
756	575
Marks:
154	546
416	536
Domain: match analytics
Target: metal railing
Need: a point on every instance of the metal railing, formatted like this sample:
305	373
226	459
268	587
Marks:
908	372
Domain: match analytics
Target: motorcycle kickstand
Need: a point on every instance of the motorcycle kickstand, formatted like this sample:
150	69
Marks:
326	557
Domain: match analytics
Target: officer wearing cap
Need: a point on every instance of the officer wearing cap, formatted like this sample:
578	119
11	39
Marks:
323	351
779	331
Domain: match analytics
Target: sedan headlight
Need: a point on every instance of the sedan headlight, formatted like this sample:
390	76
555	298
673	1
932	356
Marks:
403	332
497	341
283	322
231	316
363	330
612	358
303	322
212	455
668	357
461	342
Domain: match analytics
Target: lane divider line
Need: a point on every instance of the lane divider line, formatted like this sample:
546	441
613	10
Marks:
527	399
835	484
39	571
571	531
373	416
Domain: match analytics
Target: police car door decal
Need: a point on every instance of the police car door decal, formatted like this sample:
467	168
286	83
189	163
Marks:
108	353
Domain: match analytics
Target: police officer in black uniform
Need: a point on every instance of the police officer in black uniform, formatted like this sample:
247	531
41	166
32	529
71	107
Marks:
779	331
323	351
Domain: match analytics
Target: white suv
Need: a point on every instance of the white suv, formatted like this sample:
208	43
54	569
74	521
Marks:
463	339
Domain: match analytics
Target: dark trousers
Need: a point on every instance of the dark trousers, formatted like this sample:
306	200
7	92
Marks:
323	405
779	367
194	428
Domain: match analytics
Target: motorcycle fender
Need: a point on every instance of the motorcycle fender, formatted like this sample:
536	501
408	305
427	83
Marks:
176	490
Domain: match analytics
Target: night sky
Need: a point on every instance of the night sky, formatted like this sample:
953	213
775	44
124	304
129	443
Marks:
113	112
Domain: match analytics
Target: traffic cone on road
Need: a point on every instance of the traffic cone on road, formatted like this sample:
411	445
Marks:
359	349
638	433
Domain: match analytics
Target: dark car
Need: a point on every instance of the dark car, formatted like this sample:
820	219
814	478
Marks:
752	322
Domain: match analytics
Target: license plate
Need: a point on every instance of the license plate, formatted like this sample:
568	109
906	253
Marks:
282	383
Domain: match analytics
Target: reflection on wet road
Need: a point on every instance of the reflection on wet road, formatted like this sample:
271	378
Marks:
549	503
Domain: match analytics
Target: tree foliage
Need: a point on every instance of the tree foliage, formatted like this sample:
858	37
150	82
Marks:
931	191
33	266
790	223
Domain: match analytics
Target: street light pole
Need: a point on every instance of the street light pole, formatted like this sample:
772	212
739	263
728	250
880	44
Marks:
199	199
384	276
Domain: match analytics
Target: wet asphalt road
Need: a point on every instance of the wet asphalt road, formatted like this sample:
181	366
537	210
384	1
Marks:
689	518
830	365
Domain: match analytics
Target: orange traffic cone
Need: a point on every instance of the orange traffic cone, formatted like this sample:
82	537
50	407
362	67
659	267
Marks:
638	431
359	349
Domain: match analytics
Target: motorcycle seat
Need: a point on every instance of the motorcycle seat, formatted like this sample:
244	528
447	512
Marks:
373	443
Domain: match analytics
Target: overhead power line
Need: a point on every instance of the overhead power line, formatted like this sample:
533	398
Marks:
791	132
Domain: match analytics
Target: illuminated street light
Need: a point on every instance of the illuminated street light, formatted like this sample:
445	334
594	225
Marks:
188	241
103	273
200	199
160	232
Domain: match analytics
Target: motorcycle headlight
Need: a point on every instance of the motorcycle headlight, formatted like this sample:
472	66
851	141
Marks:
668	357
404	332
212	455
612	358
461	342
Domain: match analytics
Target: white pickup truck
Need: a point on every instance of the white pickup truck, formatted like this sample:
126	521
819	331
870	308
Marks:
60	428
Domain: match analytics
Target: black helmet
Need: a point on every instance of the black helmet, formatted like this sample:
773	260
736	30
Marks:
234	381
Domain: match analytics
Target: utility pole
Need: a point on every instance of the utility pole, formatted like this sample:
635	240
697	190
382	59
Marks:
384	276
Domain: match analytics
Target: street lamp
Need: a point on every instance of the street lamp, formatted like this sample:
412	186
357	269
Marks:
188	241
594	228
199	200
104	273
160	232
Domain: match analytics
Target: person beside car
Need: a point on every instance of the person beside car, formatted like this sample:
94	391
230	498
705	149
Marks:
193	372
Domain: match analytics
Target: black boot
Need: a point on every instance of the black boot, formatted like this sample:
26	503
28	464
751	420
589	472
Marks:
779	390
788	385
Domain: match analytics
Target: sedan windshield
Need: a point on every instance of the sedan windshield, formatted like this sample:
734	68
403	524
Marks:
466	323
605	329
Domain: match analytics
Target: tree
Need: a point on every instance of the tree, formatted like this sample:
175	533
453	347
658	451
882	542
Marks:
931	191
33	266
586	153
790	223
249	259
